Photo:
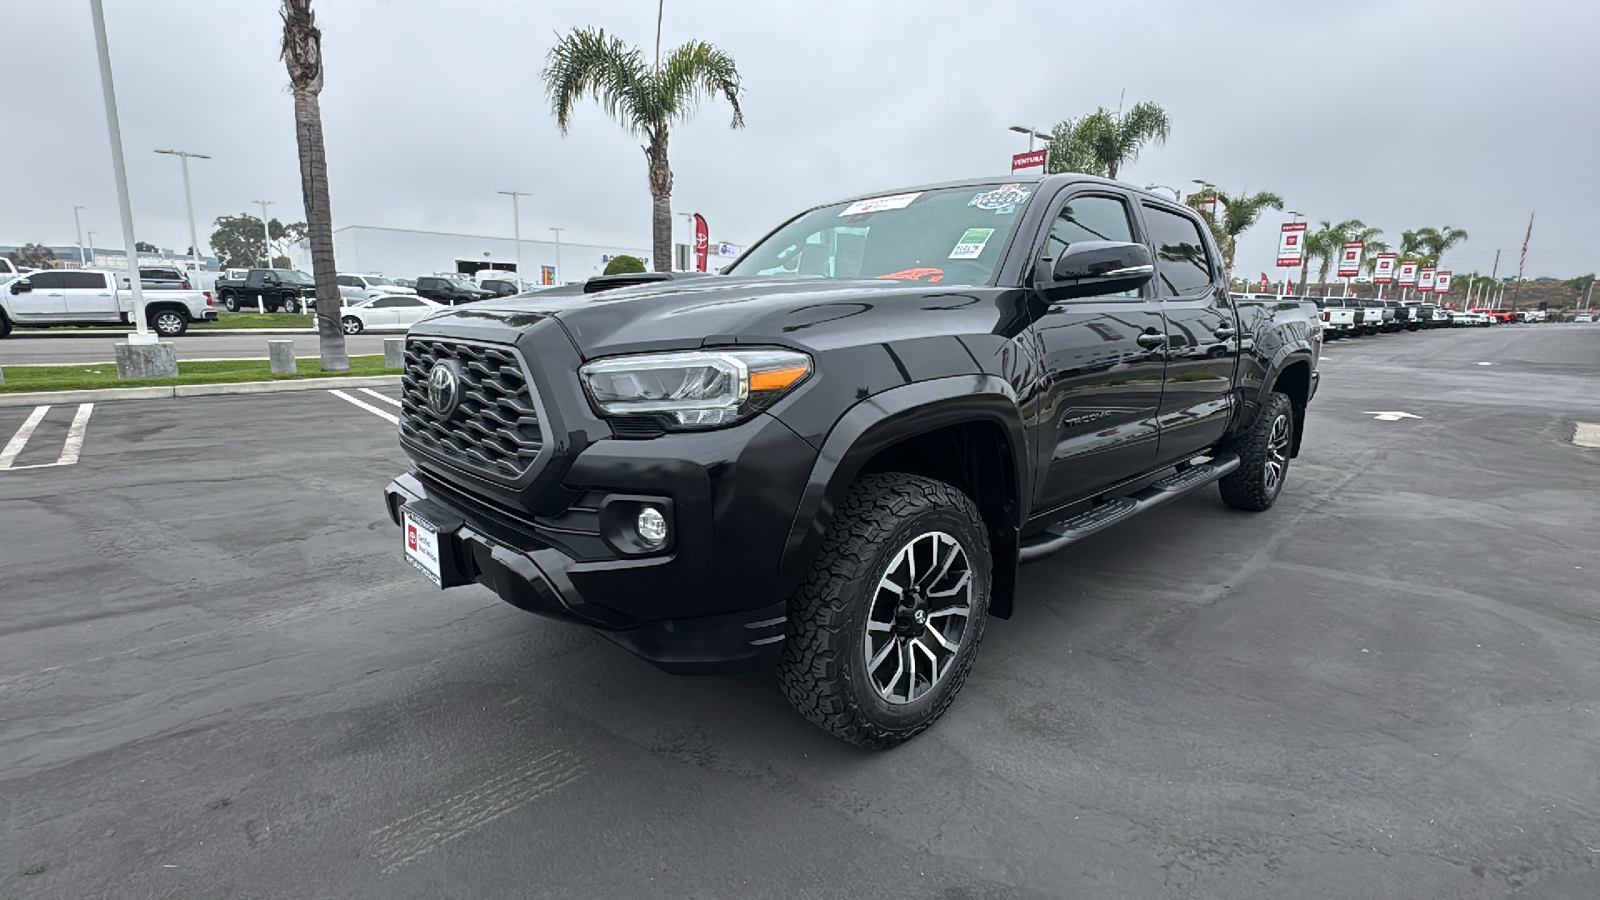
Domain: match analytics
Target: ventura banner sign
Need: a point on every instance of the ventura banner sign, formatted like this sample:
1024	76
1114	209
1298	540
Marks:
1292	244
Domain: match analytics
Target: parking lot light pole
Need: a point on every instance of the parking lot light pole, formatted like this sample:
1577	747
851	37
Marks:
141	334
266	231
78	227
516	230
558	231
188	202
1031	133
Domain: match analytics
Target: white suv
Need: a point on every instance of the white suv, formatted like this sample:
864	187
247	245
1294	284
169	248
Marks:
355	288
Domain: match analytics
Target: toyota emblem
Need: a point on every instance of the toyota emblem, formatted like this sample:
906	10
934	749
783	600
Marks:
444	390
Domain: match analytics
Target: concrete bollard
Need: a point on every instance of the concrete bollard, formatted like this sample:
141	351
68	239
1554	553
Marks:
158	360
2	375
281	356
394	353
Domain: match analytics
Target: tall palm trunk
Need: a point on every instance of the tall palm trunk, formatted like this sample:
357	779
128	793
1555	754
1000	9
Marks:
661	195
319	226
302	54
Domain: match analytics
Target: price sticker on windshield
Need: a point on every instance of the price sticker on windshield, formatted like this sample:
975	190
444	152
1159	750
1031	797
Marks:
879	204
972	243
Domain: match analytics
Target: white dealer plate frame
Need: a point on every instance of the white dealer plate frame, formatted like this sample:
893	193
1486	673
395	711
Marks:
419	540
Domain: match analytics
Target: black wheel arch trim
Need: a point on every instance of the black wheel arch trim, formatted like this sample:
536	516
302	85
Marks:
895	415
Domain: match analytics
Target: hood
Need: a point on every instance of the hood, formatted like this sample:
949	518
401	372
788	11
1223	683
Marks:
804	311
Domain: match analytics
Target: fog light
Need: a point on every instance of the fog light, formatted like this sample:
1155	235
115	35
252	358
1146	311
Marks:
652	526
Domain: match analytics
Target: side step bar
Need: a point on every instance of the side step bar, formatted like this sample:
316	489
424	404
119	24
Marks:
1112	511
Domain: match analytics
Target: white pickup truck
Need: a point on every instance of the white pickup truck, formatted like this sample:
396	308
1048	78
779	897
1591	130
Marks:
96	297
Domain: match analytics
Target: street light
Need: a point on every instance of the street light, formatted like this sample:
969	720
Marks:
141	333
1296	213
266	230
188	201
557	278
78	227
1176	194
1031	133
516	230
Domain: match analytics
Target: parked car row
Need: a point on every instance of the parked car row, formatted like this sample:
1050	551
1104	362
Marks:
1355	316
98	297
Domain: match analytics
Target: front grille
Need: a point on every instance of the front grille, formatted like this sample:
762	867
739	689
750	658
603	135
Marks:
495	429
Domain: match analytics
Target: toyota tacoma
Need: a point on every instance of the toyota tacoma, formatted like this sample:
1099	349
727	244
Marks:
831	458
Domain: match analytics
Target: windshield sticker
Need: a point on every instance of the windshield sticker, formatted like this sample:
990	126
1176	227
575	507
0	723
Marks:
1003	196
879	204
916	275
972	243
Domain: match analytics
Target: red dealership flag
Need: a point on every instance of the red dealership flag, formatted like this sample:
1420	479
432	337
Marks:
702	236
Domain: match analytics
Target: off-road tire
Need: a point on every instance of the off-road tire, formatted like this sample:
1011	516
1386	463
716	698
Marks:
1249	487
823	668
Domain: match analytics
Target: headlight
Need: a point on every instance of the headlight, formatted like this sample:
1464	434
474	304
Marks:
701	389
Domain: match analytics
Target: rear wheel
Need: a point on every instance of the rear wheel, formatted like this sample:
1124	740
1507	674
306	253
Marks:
883	631
230	302
1263	450
169	322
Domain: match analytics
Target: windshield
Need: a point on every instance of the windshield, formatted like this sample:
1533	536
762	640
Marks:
464	285
949	236
294	275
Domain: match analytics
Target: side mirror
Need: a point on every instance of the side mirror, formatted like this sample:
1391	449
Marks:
21	286
1096	268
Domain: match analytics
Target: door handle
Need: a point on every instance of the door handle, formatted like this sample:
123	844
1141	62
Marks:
1224	332
105	295
1151	339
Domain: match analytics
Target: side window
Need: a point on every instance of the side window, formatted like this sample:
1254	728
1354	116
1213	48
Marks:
384	303
1089	218
406	302
44	281
345	281
1182	265
82	280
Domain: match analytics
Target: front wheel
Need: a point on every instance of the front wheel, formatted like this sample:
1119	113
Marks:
291	305
1263	450
883	631
352	325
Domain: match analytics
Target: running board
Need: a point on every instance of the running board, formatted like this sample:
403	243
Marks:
1104	515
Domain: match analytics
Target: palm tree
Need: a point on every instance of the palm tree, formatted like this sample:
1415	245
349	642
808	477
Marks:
1327	242
302	54
1437	240
645	100
1069	153
1238	214
1114	139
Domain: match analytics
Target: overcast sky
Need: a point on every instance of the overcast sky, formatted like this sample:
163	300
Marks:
1403	113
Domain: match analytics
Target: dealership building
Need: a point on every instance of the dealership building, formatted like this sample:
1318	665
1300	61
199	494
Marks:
404	253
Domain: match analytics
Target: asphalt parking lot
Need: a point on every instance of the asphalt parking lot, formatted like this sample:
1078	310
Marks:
219	680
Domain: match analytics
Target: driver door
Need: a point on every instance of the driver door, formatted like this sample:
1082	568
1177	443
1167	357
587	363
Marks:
1104	360
39	295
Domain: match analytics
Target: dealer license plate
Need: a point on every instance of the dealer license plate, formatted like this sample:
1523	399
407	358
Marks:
422	546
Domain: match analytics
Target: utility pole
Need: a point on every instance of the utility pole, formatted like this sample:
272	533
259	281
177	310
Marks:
91	246
78	227
188	202
558	254
141	333
516	230
265	230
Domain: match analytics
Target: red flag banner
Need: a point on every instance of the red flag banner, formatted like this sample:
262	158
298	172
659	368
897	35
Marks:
702	238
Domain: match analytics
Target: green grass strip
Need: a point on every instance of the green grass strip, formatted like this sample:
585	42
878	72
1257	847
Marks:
223	371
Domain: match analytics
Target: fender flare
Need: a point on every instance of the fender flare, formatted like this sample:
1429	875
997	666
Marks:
1299	352
887	418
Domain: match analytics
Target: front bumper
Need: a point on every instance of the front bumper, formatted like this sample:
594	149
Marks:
533	575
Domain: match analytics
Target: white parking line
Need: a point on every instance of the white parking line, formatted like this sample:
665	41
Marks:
367	406
70	450
384	397
20	439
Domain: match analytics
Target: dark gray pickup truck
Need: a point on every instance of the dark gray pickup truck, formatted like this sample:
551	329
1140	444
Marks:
831	459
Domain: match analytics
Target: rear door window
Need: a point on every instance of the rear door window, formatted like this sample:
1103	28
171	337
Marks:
1183	266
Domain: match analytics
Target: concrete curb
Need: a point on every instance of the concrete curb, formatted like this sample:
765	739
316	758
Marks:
164	392
32	334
